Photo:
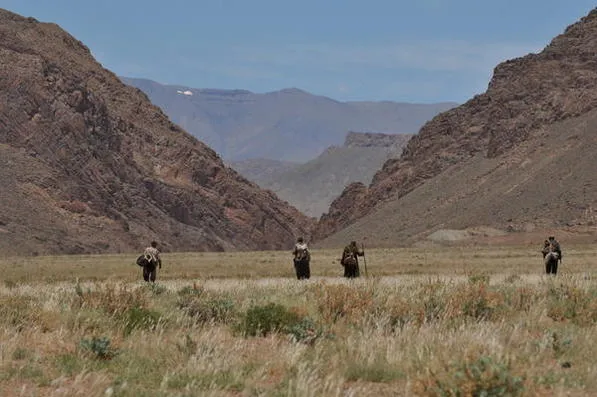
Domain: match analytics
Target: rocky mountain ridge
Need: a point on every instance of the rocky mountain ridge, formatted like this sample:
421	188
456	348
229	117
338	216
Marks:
524	97
88	164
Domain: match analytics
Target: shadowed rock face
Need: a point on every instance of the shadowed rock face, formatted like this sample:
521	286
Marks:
525	95
88	164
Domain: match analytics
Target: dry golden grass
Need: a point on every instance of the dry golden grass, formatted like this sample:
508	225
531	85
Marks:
438	322
435	261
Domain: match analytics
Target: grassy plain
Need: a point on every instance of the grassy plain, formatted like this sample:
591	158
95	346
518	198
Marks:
449	321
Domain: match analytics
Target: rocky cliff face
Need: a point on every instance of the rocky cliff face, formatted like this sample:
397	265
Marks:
524	95
88	164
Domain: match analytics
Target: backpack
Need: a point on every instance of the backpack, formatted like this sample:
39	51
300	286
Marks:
349	260
302	253
142	261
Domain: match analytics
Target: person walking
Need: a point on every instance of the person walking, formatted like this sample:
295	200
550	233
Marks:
302	259
150	261
350	260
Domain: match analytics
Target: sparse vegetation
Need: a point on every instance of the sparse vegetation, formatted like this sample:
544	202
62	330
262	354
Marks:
464	331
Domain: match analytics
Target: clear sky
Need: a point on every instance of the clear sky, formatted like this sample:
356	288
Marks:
402	50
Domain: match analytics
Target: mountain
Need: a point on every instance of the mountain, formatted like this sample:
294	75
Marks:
88	164
311	187
261	171
288	125
517	157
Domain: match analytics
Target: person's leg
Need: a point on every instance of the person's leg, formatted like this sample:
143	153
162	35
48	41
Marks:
307	270
297	269
350	271
146	273
553	263
153	274
304	269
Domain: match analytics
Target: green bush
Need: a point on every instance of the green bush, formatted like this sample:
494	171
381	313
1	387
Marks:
188	290
379	371
156	289
478	279
573	304
19	311
263	320
209	310
140	318
99	347
305	330
484	376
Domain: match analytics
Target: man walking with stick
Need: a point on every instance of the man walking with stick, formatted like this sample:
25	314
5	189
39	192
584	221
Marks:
350	260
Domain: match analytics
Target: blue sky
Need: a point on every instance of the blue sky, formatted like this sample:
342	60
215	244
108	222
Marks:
413	51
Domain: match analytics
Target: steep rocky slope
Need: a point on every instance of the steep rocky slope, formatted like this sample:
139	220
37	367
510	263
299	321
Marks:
286	125
546	185
312	186
525	97
88	164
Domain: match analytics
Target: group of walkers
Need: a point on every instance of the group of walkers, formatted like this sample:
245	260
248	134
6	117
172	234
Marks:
349	260
552	255
150	260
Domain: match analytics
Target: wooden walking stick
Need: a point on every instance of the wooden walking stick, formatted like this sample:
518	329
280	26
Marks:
364	259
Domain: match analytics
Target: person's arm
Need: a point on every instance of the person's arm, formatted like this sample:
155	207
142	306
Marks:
344	252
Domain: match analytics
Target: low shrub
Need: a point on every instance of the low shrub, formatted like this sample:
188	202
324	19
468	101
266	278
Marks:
140	318
379	371
569	303
343	301
19	311
191	290
263	320
98	347
208	310
111	299
484	376
156	289
476	301
305	331
479	278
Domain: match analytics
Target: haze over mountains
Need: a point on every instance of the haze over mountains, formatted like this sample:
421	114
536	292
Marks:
294	143
519	157
88	164
287	125
311	187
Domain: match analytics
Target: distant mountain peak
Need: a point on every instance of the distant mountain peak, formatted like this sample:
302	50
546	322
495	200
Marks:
293	91
242	125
